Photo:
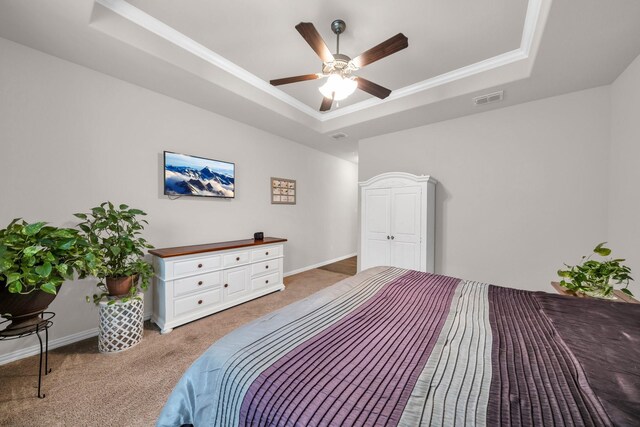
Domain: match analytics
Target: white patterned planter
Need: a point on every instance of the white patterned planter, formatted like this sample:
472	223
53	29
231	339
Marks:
121	324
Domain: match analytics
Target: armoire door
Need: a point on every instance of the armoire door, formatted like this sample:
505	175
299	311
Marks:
376	234
406	248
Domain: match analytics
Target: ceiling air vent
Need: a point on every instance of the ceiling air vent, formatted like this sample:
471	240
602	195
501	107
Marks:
339	136
489	98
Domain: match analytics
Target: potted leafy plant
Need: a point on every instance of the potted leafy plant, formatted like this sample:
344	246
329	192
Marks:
35	259
115	232
597	278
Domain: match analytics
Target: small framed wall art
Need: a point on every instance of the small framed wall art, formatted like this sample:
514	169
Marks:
283	191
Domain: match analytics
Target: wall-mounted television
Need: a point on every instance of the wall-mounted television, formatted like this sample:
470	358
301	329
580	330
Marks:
186	175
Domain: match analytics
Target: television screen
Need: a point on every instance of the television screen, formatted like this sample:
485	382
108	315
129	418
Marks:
196	176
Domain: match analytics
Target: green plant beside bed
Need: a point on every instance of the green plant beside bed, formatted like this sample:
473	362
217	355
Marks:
41	257
115	232
597	278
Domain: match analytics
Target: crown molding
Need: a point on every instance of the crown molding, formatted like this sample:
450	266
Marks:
401	176
157	27
442	79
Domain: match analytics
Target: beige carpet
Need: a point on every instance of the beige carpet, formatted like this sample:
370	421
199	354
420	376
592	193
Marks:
87	388
346	266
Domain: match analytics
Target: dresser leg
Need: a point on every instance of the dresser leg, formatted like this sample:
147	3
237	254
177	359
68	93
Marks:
165	331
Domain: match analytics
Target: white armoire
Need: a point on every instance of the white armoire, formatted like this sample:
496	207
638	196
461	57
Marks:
397	221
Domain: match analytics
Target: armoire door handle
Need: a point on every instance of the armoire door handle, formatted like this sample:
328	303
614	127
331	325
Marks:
392	237
388	237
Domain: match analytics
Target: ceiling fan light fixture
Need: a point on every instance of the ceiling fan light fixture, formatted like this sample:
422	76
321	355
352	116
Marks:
338	87
338	67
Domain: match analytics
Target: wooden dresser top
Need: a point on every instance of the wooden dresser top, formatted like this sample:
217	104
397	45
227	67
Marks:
619	295
213	247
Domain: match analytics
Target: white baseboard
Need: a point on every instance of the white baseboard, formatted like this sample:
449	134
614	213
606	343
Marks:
320	264
79	336
54	343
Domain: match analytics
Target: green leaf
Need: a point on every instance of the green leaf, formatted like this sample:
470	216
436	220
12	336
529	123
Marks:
564	273
80	215
50	257
15	288
123	207
44	270
601	250
64	233
33	229
627	291
5	264
115	250
31	250
12	277
67	244
49	288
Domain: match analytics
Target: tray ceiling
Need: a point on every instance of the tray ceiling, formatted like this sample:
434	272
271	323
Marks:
219	56
444	35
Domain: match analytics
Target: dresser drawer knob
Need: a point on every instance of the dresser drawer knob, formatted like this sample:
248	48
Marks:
237	258
266	266
199	302
200	283
199	265
266	253
226	285
266	281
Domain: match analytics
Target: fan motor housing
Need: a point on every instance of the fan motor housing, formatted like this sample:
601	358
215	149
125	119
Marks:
341	63
338	26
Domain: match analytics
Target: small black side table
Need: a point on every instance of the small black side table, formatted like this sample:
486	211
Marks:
43	324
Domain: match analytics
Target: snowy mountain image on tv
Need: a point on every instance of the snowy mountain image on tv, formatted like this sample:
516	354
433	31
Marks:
195	176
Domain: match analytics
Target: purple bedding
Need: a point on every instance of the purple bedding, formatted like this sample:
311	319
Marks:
396	347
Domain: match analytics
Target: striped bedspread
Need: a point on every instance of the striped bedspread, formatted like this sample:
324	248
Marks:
393	347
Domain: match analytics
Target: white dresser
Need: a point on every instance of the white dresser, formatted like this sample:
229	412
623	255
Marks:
194	281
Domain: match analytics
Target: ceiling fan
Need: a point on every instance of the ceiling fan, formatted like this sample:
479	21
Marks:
338	67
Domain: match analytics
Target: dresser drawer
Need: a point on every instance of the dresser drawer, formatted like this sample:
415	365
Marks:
266	253
271	266
197	302
265	281
199	282
197	265
236	258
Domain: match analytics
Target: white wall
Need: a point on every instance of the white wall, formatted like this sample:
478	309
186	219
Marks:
521	189
624	189
71	138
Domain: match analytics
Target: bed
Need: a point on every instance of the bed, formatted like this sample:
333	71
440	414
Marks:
394	347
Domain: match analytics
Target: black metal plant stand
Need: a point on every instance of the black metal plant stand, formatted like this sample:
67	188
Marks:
43	324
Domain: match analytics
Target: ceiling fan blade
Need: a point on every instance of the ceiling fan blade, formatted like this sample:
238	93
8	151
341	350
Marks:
311	35
326	104
372	88
295	79
384	49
